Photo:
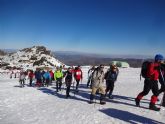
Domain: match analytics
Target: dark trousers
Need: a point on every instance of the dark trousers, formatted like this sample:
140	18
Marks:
77	81
30	83
150	85
68	85
109	86
22	82
47	82
58	84
89	83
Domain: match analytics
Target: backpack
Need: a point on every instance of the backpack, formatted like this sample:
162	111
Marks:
144	69
111	75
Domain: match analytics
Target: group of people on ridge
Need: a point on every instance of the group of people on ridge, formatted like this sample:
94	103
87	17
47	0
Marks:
152	72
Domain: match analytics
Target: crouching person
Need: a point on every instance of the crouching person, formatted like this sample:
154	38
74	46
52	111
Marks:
98	82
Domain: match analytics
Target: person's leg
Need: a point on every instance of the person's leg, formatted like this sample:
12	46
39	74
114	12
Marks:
57	85
102	95
77	85
154	96
146	89
93	94
111	89
60	84
107	87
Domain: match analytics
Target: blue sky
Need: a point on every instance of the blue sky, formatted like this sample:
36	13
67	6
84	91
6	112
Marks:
94	26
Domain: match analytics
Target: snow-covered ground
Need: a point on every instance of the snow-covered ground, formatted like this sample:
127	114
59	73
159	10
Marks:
31	105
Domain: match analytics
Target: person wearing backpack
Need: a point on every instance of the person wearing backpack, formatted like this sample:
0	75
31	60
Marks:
58	75
47	78
31	76
78	75
90	73
98	84
151	82
111	77
68	81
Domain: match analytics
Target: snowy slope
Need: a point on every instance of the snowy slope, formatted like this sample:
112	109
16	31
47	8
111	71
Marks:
27	57
31	105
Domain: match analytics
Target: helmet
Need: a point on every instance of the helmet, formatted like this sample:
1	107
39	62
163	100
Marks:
159	57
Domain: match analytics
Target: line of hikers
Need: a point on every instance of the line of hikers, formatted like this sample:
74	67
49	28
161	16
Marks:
152	72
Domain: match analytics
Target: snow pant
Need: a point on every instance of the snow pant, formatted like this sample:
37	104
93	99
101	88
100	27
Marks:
68	85
43	81
10	76
22	82
47	82
31	80
77	83
58	84
109	87
38	83
89	81
15	75
149	85
102	93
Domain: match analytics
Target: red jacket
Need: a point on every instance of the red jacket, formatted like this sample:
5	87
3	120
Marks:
51	74
78	74
31	75
153	72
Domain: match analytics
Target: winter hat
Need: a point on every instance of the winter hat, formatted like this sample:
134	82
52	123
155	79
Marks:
158	57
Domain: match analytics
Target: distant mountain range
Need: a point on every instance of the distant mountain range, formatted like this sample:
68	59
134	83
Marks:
82	58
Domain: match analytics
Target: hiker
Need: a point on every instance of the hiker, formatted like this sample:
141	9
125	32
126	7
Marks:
151	82
68	81
42	77
90	73
78	75
47	78
111	77
22	78
52	76
31	76
98	84
38	77
58	76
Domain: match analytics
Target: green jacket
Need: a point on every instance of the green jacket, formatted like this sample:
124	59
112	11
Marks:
58	74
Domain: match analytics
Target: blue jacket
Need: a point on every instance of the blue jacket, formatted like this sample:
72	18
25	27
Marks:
38	75
47	75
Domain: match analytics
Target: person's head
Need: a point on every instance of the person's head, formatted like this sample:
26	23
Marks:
58	68
159	58
113	67
101	67
78	66
69	69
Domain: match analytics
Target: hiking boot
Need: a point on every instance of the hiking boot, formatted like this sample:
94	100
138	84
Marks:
137	102
153	107
67	96
110	97
102	97
102	102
